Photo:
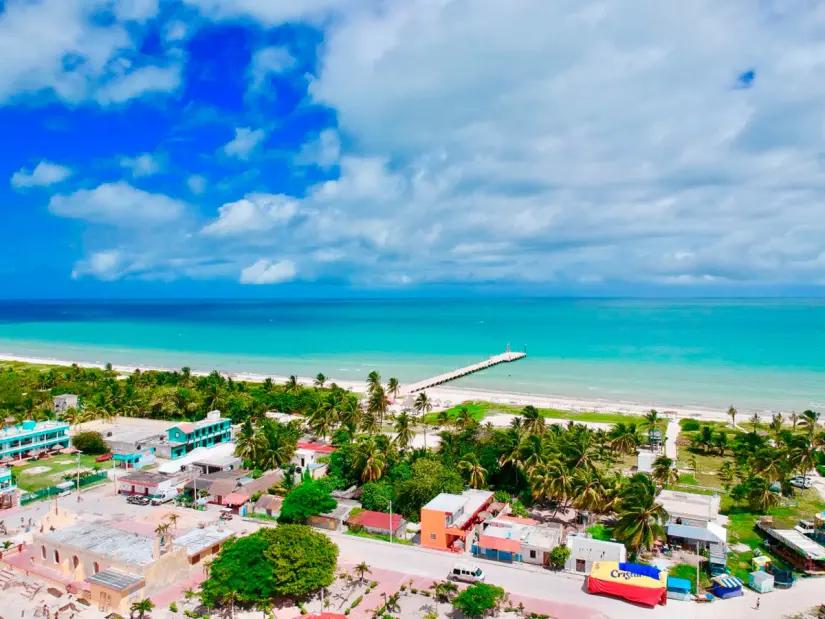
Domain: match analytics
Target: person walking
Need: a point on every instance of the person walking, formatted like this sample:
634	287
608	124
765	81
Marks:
757	603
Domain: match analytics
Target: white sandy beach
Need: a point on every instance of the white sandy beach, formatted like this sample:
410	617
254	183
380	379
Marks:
445	396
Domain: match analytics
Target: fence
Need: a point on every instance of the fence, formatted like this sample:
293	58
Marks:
50	491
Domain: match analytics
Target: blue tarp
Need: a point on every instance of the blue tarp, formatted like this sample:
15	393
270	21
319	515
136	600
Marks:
679	584
641	570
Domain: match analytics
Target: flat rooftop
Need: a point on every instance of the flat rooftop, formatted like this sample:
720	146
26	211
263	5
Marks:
197	455
104	540
27	428
444	502
198	540
144	477
115	579
688	504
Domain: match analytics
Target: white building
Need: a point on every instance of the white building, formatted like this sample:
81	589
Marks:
695	510
645	461
584	551
62	403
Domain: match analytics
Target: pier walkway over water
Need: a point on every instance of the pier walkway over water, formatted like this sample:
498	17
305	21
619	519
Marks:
427	383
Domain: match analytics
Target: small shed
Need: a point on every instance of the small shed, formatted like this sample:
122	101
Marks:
268	505
237	503
679	589
761	582
727	586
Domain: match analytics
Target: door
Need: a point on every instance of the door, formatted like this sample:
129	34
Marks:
581	565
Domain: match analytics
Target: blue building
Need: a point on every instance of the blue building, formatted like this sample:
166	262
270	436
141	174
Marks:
31	438
8	489
184	437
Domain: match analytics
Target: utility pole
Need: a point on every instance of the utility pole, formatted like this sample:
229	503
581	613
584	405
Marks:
77	482
698	560
390	521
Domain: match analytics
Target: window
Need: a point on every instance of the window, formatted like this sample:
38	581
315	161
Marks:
580	565
75	561
43	552
56	557
432	537
532	554
96	567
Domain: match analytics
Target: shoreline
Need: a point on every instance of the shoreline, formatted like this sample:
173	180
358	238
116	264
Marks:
444	395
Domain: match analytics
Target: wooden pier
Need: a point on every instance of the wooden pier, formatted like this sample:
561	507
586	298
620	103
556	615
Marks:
505	357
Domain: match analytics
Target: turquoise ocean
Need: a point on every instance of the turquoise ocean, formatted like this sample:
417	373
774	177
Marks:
766	355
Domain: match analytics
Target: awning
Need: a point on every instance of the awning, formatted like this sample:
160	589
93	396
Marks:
728	582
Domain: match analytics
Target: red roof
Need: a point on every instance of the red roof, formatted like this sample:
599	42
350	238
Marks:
377	520
186	428
324	615
316	447
236	498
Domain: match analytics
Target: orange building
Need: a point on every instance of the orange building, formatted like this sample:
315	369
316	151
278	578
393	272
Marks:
448	518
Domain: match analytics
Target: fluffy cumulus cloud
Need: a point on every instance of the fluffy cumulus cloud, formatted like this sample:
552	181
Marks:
145	164
482	141
80	55
268	272
244	142
118	204
43	175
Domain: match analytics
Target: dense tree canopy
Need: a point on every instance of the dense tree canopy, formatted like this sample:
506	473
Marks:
479	599
308	499
91	443
290	560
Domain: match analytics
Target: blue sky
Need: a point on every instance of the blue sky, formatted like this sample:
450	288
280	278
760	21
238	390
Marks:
341	147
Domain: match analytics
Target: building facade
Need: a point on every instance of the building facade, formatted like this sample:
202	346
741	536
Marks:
449	518
512	539
148	483
135	459
585	551
8	489
30	438
62	403
184	437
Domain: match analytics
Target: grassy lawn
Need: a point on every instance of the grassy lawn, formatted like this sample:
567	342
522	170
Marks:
383	538
58	467
479	410
688	572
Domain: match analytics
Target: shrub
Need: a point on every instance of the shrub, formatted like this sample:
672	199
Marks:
690	425
403	587
559	556
377	496
173	607
346	612
413	590
356	601
374	583
308	499
90	442
518	509
425	593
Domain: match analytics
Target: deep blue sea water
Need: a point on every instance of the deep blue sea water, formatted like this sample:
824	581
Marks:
753	354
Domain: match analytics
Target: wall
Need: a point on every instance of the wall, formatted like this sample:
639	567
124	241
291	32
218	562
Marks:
323	522
114	601
433	523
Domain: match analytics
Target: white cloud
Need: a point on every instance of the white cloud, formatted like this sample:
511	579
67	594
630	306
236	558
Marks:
146	164
105	265
77	57
255	213
43	175
118	204
244	142
266	61
268	272
196	183
270	12
325	151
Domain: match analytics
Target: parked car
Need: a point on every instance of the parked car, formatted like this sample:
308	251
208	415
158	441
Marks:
165	497
801	482
466	572
137	499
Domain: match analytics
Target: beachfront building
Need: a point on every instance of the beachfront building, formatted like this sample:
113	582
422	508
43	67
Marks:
512	539
8	489
690	509
62	403
184	437
135	459
694	523
148	483
307	455
32	438
118	567
449	518
585	551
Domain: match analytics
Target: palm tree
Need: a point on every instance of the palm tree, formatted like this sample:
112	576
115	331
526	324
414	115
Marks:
663	472
391	603
320	379
808	422
322	420
794	420
423	404
776	426
587	490
475	472
370	459
640	517
186	375
768	464
173	518
755	422
268	385
248	442
533	420
404	434
732	415
801	454
651	423
143	606
760	496
393	387
720	442
552	481
464	418
292	385
230	597
373	382
443	591
361	569
378	404
162	529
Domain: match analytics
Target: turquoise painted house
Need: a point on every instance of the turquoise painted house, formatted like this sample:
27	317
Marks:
184	437
8	490
31	438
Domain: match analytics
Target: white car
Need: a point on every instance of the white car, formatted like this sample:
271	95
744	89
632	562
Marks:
801	482
165	497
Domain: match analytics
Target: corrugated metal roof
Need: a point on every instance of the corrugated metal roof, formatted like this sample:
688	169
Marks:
115	579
